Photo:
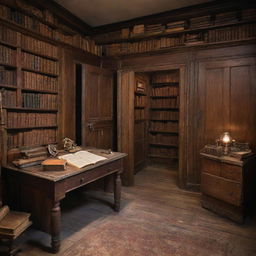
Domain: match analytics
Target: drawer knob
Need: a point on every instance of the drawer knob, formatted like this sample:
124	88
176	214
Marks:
81	180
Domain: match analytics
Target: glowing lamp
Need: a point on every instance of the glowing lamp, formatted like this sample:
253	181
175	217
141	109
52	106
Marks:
226	141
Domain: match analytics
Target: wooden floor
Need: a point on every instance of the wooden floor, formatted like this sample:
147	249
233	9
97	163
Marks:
156	219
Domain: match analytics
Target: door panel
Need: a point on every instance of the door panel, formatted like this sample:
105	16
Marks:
97	107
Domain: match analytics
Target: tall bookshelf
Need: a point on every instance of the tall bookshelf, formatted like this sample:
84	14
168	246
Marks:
164	116
29	70
140	120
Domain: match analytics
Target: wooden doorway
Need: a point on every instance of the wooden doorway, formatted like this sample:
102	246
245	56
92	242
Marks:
97	107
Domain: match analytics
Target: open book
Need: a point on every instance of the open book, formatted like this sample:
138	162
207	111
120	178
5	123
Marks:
82	158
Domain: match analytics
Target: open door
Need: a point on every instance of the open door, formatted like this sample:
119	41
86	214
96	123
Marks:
97	107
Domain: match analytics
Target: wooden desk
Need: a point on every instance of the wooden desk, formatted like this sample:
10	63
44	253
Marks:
38	192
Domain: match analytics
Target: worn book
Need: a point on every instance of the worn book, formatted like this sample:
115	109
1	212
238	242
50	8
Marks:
82	158
4	211
13	222
54	164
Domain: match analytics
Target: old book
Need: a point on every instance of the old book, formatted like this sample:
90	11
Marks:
82	158
54	164
13	221
29	162
4	211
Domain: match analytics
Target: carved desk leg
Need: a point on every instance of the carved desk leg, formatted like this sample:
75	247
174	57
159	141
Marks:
117	191
55	227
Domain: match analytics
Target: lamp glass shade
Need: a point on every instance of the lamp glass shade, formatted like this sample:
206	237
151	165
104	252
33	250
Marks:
226	138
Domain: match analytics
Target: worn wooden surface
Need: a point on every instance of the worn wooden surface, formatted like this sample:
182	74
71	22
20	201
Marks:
156	218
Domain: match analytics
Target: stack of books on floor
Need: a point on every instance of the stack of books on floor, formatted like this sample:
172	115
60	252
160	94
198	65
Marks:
154	29
12	223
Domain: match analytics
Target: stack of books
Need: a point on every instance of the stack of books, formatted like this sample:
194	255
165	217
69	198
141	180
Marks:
138	30
227	17
12	223
175	26
249	14
154	29
198	22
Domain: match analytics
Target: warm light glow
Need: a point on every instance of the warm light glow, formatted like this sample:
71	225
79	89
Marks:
226	138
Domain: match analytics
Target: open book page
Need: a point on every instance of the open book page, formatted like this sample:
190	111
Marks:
82	158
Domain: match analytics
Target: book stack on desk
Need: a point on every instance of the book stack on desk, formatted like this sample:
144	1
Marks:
12	223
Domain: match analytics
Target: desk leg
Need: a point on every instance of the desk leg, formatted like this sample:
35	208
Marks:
55	227
117	191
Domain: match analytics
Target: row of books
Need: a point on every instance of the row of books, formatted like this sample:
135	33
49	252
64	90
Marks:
164	151
202	21
39	101
37	63
31	138
7	77
140	101
232	33
47	31
164	126
165	77
7	35
16	120
165	91
164	115
7	55
37	46
139	114
165	103
9	98
30	8
142	46
39	82
163	138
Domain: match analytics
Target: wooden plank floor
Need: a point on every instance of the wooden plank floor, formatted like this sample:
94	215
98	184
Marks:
156	219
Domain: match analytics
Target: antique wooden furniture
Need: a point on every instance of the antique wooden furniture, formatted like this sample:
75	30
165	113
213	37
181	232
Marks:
21	222
38	192
227	185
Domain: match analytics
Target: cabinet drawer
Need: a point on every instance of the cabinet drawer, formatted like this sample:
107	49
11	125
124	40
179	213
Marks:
91	175
210	166
231	172
223	189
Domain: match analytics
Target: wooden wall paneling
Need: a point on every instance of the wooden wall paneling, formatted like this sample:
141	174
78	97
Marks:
125	121
226	101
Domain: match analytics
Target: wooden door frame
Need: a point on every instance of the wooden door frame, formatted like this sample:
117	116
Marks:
125	108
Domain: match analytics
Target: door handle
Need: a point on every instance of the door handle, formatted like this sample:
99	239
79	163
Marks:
91	127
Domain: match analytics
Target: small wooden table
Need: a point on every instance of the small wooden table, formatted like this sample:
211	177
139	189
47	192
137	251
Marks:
33	190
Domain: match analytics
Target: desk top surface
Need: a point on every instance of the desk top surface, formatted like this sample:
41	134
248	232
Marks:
70	170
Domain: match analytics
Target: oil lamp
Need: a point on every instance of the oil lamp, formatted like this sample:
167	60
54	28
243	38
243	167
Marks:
226	141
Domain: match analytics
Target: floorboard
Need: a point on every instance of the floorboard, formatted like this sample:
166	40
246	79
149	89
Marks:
156	218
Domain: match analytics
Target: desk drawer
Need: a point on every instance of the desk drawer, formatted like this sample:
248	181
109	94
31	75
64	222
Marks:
210	166
223	189
231	172
91	175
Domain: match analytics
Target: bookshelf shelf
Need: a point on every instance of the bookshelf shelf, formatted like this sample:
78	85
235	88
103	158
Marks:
8	65
39	54
15	46
165	84
39	91
13	87
31	127
146	36
30	109
39	72
140	93
139	107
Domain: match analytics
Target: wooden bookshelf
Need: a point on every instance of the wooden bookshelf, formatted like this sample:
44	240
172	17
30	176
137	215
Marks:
29	89
15	14
164	115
